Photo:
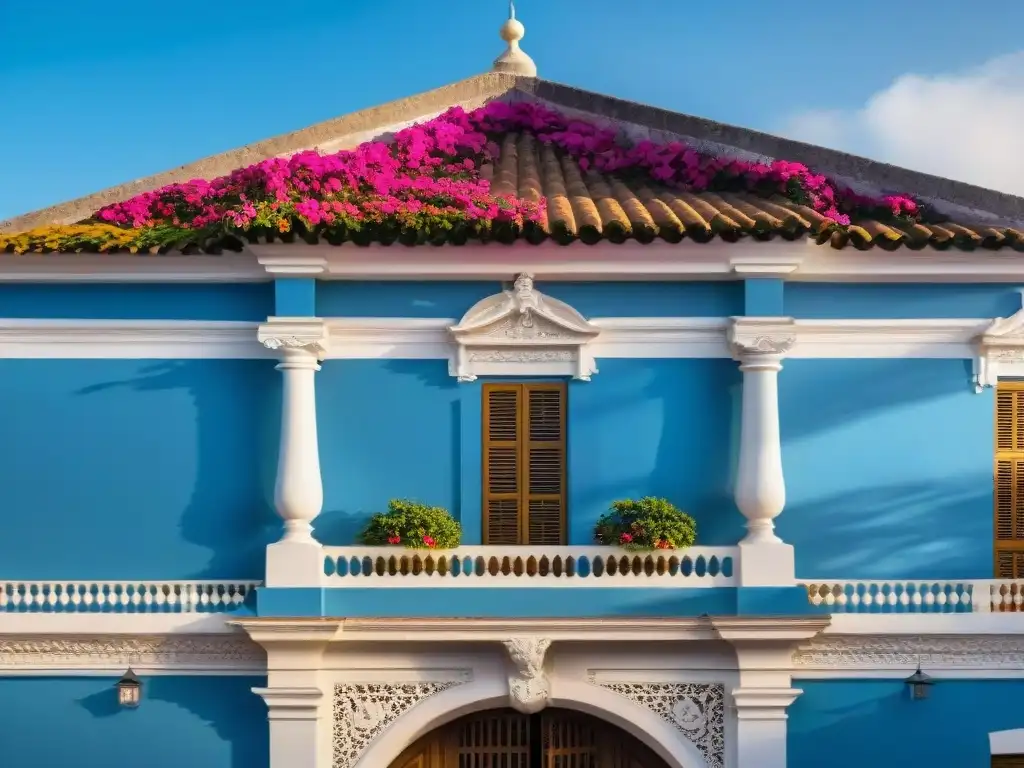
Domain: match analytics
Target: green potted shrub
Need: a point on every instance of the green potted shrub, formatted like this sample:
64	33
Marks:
647	523
412	525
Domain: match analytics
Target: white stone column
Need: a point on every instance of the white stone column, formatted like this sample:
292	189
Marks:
764	657
296	560
298	703
294	721
759	344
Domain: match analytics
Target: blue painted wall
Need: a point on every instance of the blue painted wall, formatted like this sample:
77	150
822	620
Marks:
860	301
200	722
888	469
405	428
453	299
852	724
146	469
135	301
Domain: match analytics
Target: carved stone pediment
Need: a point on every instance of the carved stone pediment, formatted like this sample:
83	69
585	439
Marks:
1000	350
522	332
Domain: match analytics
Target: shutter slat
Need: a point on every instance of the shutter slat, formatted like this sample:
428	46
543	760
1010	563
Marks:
1008	477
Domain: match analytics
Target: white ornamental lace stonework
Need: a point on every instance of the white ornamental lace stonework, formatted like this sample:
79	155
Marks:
362	712
696	710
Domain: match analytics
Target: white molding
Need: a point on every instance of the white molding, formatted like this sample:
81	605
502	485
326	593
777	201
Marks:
88	622
896	656
801	260
429	339
109	654
125	268
522	332
1009	742
129	339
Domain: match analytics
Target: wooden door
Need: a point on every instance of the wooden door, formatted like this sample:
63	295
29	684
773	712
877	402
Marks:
508	739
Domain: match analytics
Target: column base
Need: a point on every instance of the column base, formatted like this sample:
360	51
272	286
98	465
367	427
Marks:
767	564
295	564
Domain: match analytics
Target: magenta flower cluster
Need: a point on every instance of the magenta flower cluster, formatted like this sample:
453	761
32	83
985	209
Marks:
430	174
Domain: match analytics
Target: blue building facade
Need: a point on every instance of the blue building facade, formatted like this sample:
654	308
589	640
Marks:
198	440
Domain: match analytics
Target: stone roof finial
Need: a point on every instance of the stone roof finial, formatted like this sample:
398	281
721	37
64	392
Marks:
514	60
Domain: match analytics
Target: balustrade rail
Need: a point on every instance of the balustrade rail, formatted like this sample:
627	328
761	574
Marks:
124	596
526	566
898	596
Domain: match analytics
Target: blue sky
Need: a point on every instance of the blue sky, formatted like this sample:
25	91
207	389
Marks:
94	94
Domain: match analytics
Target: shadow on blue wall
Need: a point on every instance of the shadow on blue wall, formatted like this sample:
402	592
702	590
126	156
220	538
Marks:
215	722
230	512
171	462
855	723
388	429
888	469
665	428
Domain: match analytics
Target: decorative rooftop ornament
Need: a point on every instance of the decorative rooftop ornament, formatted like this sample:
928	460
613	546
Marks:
514	60
522	332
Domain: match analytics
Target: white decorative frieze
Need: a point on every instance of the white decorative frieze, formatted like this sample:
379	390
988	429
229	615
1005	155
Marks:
696	710
363	710
1000	350
901	652
528	685
522	332
227	652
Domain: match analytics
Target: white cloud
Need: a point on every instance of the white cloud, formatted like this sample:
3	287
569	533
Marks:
967	126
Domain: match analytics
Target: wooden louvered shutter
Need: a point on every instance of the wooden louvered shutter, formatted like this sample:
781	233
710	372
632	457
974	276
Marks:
544	460
502	417
1007	761
1009	481
524	463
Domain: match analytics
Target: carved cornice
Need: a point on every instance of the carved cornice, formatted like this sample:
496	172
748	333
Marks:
284	334
522	332
754	339
902	652
215	652
998	348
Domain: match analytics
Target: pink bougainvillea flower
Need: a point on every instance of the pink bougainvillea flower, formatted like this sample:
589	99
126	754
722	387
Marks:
429	541
394	539
625	538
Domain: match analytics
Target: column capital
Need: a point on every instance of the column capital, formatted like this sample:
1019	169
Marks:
308	336
291	703
763	703
761	341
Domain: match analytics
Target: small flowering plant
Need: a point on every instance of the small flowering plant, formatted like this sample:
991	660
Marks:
412	525
644	524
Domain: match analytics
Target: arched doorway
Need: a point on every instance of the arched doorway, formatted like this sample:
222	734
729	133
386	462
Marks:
503	738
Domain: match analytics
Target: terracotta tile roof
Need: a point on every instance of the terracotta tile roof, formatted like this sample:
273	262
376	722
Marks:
590	207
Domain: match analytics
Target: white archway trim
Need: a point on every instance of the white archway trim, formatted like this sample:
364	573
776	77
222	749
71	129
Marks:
429	715
1006	742
439	710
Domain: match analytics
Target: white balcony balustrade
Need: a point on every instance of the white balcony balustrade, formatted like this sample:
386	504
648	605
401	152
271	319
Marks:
124	596
526	566
900	596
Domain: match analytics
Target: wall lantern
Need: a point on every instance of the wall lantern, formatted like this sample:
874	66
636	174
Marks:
918	684
129	689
